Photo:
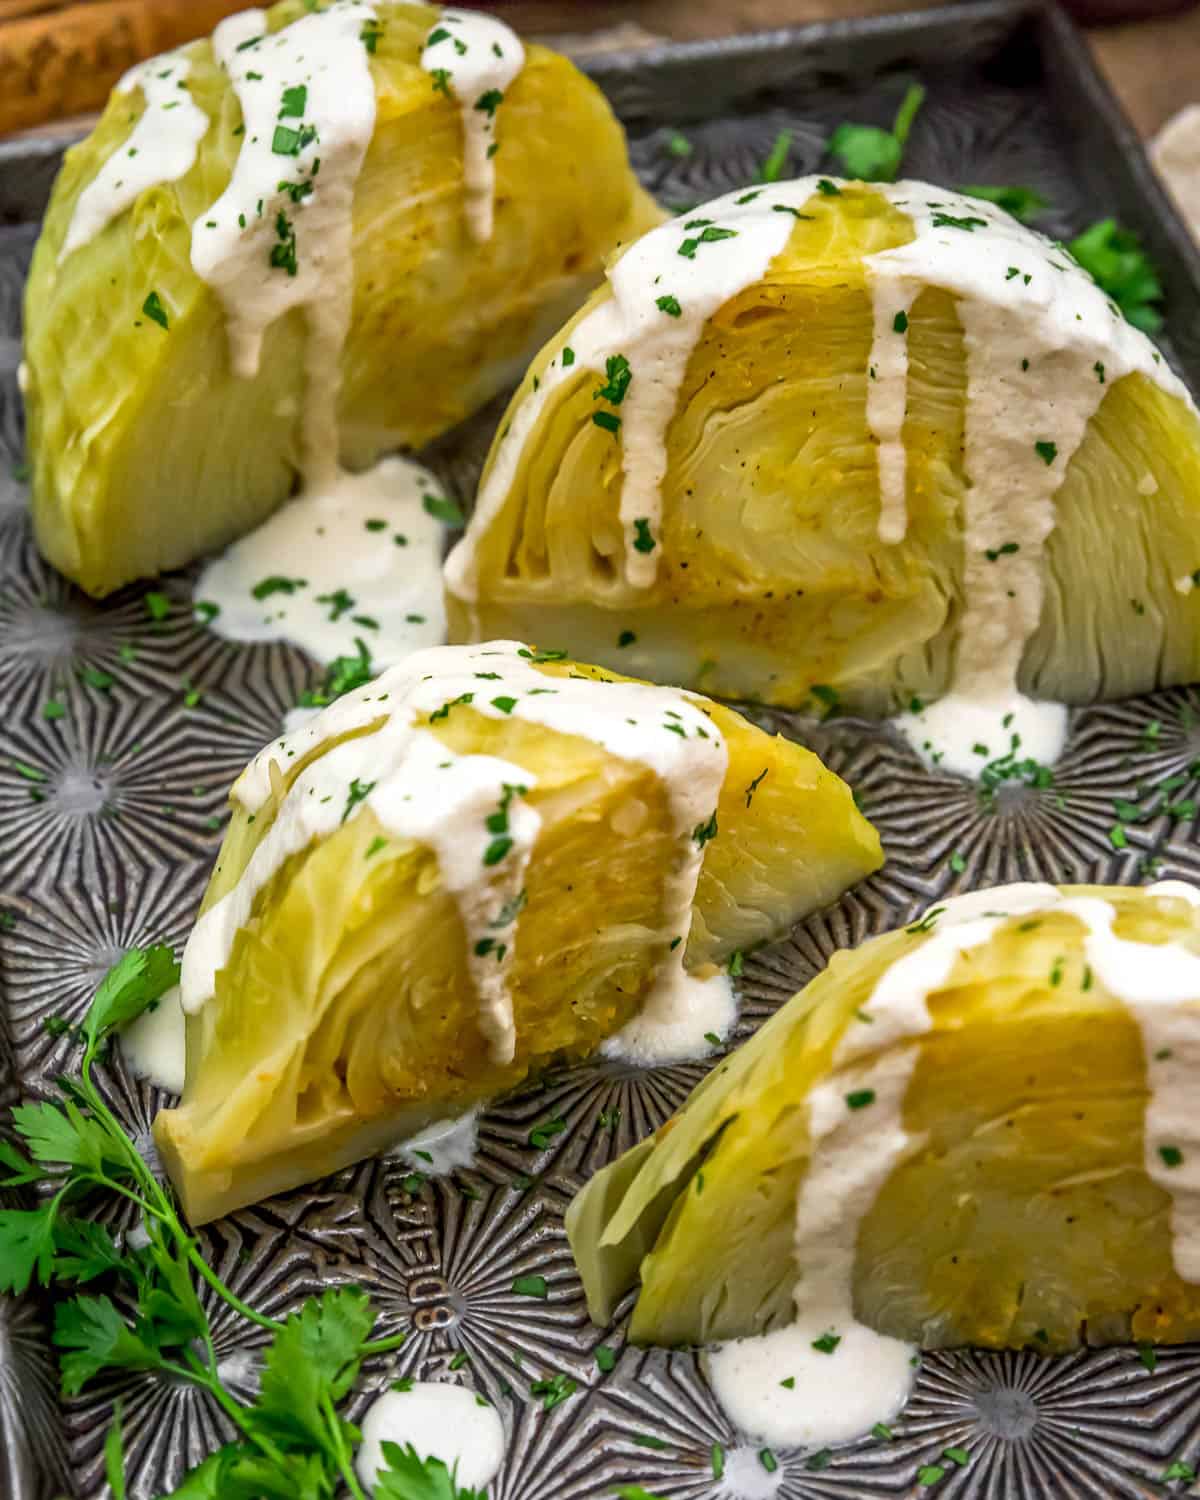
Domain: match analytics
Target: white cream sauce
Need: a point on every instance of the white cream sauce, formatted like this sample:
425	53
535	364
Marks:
153	1044
439	1420
1044	345
443	1147
475	57
751	228
865	1377
678	1022
471	809
280	236
356	559
160	148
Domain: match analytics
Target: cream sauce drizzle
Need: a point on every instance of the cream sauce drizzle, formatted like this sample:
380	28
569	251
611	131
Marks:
865	1378
267	251
248	242
160	148
475	57
420	789
1043	345
153	1044
439	1420
753	227
355	560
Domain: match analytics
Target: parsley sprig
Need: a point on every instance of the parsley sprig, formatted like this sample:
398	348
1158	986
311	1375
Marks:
143	1309
871	154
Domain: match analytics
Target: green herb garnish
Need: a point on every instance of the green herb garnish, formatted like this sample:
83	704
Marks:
872	154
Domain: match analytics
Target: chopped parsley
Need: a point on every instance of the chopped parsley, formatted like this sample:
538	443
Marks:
287	141
755	784
626	638
827	1343
1046	451
531	1286
927	922
606	1359
607	420
900	323
703	833
444	711
643	541
555	1389
1006	549
618	375
828	189
441	81
541	1135
773	167
370	34
276	584
339	601
157	605
358	792
443	510
283	252
488	102
678	145
1172	1156
154	310
295	101
53	709
948	221
737	964
707	236
568	356
669	305
860	1098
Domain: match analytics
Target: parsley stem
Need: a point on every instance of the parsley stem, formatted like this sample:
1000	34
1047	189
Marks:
338	1439
234	1409
382	1346
219	1286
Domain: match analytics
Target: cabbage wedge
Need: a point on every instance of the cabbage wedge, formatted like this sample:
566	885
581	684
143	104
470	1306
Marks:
875	438
343	1011
147	447
1046	1191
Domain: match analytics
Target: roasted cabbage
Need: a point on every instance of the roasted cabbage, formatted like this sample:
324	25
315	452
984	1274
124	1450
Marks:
775	566
346	1013
1047	1195
148	450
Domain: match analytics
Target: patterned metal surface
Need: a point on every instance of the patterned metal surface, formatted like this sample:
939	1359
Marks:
110	816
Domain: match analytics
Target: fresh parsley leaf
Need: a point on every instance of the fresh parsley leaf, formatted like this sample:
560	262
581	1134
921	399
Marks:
871	154
312	1360
97	1337
26	1247
1113	257
139	978
408	1476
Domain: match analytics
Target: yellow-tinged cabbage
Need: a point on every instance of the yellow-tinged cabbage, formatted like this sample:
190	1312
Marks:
772	577
147	451
346	1017
1025	1214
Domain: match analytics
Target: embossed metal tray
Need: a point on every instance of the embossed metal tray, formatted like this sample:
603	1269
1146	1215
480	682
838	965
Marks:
110	817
